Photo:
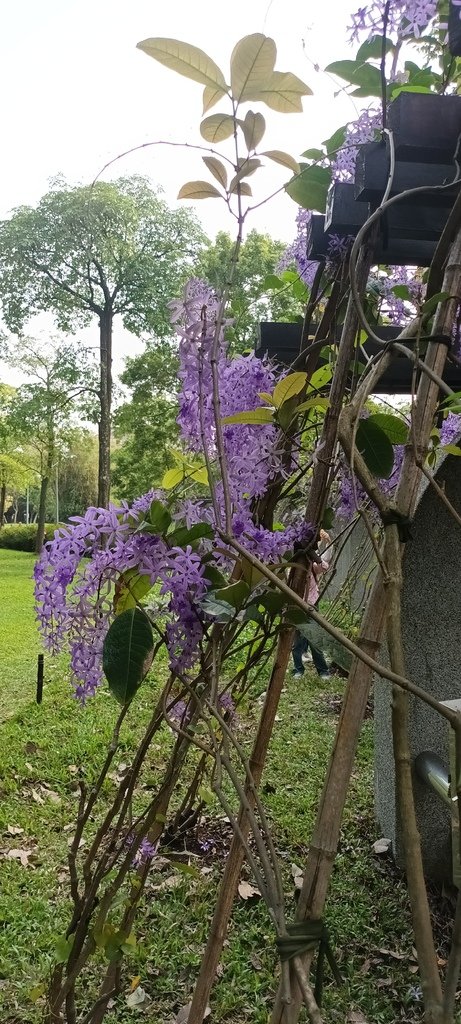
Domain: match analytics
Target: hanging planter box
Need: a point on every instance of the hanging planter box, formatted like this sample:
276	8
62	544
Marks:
372	172
417	221
281	342
426	127
402	252
344	215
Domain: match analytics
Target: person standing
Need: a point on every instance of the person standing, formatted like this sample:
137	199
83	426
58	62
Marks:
301	644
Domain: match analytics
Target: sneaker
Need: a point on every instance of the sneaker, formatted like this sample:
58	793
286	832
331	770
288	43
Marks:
324	675
297	675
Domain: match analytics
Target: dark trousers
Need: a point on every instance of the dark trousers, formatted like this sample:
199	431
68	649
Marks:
300	647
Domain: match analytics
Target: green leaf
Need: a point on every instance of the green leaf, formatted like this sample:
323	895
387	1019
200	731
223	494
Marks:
184	535
314	154
287	388
187	869
130	589
397	89
314	403
159	516
285	159
217	169
320	378
328	518
309	189
215	577
129	945
253	128
187	60
221	611
272	282
206	794
62	948
172	478
375	448
266	397
394	427
431	304
451	449
372	49
273	601
357	72
252	62
127	653
211	95
37	991
217	127
283	92
336	140
262	415
236	594
402	291
198	190
237	186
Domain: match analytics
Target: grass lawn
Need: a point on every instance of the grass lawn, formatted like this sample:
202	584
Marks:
41	749
19	640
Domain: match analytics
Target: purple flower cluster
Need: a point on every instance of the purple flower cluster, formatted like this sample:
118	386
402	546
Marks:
145	853
359	132
450	431
406	17
75	594
394	307
296	252
351	499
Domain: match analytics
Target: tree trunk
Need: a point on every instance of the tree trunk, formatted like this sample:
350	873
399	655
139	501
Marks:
105	398
2	504
42	513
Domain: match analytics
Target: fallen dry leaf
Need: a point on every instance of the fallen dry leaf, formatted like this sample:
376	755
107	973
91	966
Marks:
21	855
247	891
36	796
381	845
298	876
138	999
14	830
182	1015
355	1017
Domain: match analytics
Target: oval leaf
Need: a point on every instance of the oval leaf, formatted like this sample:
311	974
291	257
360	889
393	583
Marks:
282	91
199	190
217	169
187	60
290	386
127	654
394	427
279	157
375	448
240	186
253	128
130	588
252	62
211	95
262	415
309	189
159	516
188	534
172	478
217	127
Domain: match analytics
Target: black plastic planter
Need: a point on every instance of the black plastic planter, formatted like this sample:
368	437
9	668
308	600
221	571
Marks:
372	171
393	251
426	127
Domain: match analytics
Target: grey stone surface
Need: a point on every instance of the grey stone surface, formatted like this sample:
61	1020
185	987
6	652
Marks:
431	616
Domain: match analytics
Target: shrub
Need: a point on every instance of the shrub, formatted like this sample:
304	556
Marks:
22	536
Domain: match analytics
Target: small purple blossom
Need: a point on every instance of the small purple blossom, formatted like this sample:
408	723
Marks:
358	133
450	431
145	853
406	17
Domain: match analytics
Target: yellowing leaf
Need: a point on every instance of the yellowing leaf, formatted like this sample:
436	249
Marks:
291	385
217	127
282	92
240	186
252	61
253	128
198	190
262	415
172	478
266	397
279	157
314	403
199	475
131	587
211	95
187	60
217	169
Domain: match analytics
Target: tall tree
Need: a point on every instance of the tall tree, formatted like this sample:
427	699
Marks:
251	299
146	425
106	250
13	472
59	375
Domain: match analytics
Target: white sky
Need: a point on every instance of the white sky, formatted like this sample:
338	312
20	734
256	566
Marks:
76	92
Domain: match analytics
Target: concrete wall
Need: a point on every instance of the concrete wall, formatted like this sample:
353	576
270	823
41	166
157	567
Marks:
432	642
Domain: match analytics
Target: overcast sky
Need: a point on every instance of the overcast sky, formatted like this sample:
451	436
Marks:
76	93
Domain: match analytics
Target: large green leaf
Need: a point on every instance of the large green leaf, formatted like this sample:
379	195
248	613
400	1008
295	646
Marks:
356	72
187	60
235	594
262	415
217	127
375	448
309	189
394	427
127	653
159	516
287	388
372	48
282	91
252	62
188	534
131	587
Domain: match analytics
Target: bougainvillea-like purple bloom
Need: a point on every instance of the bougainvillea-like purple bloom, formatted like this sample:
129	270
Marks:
450	431
358	133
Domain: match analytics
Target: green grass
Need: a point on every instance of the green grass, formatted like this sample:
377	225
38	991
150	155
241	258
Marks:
19	641
367	911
